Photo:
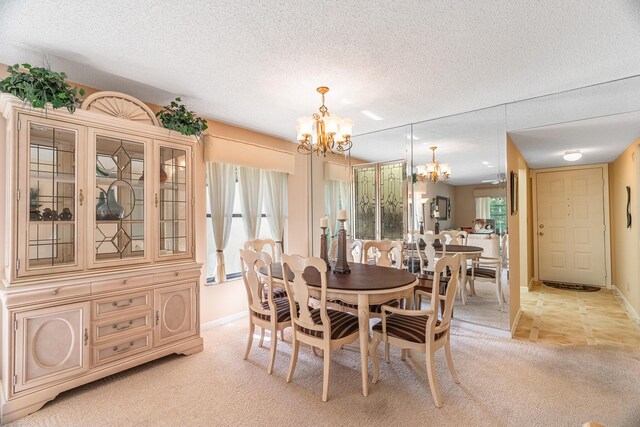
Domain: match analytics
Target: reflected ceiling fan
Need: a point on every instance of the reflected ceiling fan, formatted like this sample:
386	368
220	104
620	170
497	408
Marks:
499	179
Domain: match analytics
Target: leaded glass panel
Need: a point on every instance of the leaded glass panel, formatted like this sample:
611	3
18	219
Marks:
391	200
365	202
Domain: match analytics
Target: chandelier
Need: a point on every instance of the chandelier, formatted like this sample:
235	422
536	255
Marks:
324	133
434	170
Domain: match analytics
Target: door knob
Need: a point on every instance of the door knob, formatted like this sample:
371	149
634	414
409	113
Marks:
541	233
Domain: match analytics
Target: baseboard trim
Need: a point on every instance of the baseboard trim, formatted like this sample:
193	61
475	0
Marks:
633	314
481	328
515	322
223	320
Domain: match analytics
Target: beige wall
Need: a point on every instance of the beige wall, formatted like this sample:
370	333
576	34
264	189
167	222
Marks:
519	232
431	190
624	172
465	203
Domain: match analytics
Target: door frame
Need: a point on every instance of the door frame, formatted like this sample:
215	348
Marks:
607	222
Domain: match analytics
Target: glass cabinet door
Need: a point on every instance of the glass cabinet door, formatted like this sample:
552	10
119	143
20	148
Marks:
118	167
50	198
173	200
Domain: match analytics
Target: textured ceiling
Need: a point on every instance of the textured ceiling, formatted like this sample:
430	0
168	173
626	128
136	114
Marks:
601	140
257	63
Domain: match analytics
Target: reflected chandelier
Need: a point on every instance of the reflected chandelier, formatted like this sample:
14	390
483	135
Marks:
324	133
434	170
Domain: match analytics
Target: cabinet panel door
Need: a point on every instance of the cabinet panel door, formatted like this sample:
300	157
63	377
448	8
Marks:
175	316
51	196
51	344
173	201
119	170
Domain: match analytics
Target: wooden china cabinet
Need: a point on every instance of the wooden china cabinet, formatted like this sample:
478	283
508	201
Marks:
99	271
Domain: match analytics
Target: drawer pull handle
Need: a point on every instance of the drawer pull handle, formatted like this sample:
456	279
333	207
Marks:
124	282
128	347
177	274
55	291
127	304
122	328
86	336
81	197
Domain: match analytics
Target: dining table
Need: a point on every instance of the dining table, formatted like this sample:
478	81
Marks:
365	285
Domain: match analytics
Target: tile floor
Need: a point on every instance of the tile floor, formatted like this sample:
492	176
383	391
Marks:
561	317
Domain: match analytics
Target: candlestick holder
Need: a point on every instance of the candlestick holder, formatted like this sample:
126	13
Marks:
342	267
324	250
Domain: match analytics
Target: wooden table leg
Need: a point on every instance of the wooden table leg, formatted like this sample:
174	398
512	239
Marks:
463	277
363	322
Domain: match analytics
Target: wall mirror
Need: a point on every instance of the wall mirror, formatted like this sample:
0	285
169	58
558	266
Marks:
440	208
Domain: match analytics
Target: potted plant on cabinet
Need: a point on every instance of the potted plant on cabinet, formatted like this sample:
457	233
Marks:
175	116
40	86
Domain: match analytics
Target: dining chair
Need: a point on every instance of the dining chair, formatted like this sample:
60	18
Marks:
455	237
488	267
321	327
421	330
259	245
385	253
427	255
273	314
354	250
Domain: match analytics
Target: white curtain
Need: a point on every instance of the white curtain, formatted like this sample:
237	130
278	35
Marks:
275	186
345	199
250	180
222	185
331	204
482	208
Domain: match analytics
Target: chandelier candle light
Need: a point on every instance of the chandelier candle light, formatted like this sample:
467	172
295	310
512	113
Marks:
324	133
342	266
436	171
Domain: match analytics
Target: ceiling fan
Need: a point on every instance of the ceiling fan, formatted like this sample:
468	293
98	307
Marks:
500	179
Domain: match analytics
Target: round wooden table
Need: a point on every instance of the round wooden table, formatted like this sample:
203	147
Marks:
471	252
365	285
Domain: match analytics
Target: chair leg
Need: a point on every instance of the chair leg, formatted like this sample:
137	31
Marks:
272	355
261	337
431	372
374	356
252	329
294	357
387	358
326	354
452	369
282	334
403	354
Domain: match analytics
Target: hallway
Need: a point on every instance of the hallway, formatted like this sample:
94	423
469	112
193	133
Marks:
561	317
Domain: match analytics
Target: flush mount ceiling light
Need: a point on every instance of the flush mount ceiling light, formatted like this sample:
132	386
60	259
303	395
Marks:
324	133
572	155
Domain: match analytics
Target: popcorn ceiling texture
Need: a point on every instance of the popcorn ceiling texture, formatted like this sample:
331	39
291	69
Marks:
256	64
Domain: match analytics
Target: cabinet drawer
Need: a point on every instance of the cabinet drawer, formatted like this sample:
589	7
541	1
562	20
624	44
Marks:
50	294
122	326
173	276
119	349
121	284
121	304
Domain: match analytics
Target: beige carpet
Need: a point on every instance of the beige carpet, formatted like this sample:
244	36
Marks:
504	382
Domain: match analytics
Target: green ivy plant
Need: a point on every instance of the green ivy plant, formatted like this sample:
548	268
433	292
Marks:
39	86
175	116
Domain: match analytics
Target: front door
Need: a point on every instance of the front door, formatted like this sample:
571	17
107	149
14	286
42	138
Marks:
570	229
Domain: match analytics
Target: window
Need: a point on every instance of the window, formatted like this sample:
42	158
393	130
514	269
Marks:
236	240
498	212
